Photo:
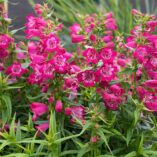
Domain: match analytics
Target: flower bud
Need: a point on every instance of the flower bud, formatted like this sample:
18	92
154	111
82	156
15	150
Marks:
94	139
59	106
68	111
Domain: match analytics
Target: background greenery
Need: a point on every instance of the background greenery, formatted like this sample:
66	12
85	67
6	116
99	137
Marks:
68	12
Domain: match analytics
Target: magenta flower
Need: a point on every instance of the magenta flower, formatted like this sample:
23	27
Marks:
75	28
152	24
151	103
117	90
67	55
110	24
20	55
111	101
51	42
92	37
151	84
60	64
35	78
37	59
142	92
87	77
135	12
151	106
35	26
44	88
42	127
71	83
68	111
38	9
47	71
59	27
107	38
106	72
38	109
16	70
77	38
35	48
51	99
122	60
59	106
91	55
109	15
153	62
152	74
5	40
73	69
77	112
60	50
3	53
140	53
107	55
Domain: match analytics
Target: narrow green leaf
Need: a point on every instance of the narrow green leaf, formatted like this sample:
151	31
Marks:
12	128
129	135
140	147
18	132
131	154
8	105
4	144
101	134
83	151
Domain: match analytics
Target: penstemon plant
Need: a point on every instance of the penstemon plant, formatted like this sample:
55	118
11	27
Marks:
99	101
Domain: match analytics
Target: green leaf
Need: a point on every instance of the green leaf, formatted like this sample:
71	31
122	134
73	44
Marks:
136	117
101	134
140	147
129	135
127	71
16	30
114	82
35	97
4	144
30	122
16	155
151	152
14	87
85	127
125	85
69	152
18	132
131	154
12	128
83	151
31	2
25	65
117	133
8	105
52	127
106	156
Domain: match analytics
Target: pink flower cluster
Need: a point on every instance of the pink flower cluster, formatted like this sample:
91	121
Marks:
66	79
5	42
49	62
100	57
39	109
143	44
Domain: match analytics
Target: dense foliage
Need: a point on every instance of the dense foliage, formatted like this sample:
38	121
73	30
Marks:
99	101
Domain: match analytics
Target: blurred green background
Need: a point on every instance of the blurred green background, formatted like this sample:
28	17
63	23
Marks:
67	10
